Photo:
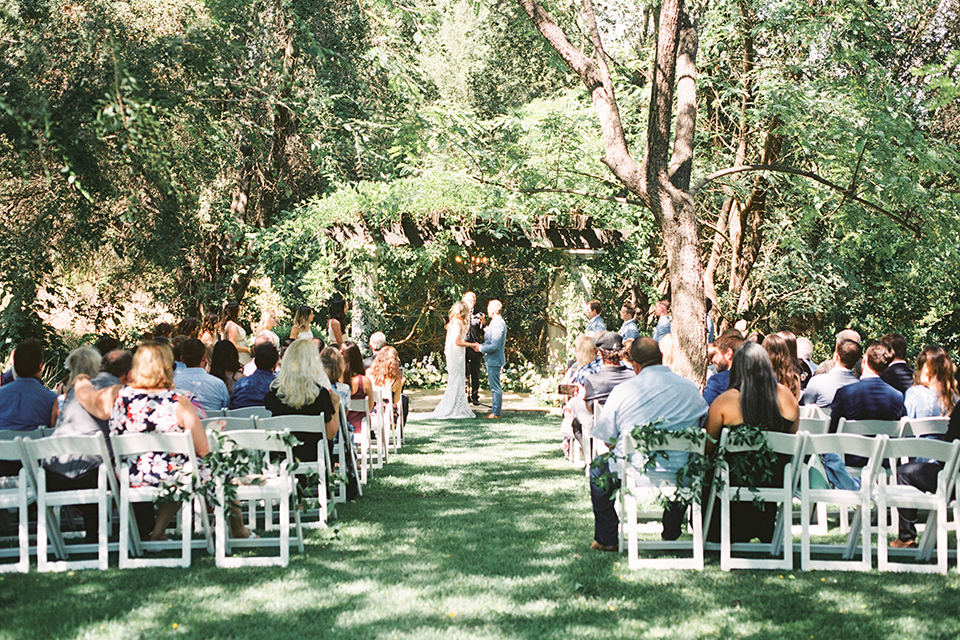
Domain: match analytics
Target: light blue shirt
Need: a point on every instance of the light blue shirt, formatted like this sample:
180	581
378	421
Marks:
629	330
821	389
663	328
209	390
922	402
655	393
25	404
596	325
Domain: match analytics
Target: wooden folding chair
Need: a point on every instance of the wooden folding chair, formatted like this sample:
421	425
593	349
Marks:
322	465
637	487
104	496
272	484
840	443
134	444
899	495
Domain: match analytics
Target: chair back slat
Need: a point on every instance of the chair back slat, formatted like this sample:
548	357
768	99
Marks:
229	423
92	445
308	424
889	428
259	439
921	448
920	427
10	435
130	444
814	425
248	412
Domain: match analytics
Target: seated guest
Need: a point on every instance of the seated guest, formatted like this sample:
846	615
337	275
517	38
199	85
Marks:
263	336
176	344
754	398
360	385
386	372
726	344
597	386
784	364
922	474
251	390
821	388
210	391
869	399
377	341
935	391
68	472
164	330
334	366
188	327
105	344
804	355
82	360
587	359
150	404
225	363
25	403
654	393
826	365
302	388
898	375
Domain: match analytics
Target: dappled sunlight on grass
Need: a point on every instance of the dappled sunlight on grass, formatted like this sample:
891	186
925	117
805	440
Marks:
475	530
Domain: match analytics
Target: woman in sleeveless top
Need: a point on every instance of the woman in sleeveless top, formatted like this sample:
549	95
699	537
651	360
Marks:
231	330
337	323
360	385
301	324
754	398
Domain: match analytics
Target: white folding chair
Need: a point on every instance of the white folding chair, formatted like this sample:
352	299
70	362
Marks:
272	484
16	493
841	444
782	494
322	466
815	412
232	423
899	495
378	430
390	414
104	496
134	444
817	424
889	428
924	427
248	412
344	456
363	439
638	488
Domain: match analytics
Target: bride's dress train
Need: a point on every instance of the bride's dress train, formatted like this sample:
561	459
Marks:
454	403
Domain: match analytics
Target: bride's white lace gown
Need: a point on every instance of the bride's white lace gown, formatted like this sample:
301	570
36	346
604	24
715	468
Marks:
454	403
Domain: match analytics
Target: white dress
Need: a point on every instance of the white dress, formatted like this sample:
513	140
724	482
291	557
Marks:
454	403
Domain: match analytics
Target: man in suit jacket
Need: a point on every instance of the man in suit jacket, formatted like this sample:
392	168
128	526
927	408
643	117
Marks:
494	338
899	374
869	399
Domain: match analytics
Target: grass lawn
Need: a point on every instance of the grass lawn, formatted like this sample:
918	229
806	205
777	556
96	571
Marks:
478	529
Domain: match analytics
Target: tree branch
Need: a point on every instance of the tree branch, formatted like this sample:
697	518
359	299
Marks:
573	192
812	176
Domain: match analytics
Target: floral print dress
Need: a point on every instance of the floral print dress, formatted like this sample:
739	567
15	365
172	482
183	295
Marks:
141	411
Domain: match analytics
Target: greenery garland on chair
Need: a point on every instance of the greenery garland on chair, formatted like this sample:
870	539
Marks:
754	467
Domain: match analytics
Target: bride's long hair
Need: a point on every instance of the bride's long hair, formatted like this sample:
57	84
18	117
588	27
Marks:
459	310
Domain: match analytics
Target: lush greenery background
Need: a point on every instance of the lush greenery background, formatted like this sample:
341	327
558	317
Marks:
184	153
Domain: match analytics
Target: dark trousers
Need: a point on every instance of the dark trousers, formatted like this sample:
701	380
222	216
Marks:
922	475
474	365
605	521
143	512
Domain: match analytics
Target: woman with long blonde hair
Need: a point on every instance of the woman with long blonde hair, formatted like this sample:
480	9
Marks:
454	403
302	388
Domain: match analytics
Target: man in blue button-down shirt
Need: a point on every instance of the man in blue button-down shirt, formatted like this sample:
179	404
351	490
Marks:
655	393
25	403
210	391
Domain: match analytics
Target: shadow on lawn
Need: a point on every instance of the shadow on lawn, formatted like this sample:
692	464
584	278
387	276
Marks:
478	529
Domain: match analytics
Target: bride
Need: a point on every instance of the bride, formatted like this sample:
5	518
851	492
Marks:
454	402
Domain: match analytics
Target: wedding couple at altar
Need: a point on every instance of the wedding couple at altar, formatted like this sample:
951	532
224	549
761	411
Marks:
455	403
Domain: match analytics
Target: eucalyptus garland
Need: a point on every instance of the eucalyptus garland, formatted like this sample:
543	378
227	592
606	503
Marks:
752	468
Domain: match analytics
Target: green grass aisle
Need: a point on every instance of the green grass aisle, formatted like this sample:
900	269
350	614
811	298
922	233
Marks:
477	529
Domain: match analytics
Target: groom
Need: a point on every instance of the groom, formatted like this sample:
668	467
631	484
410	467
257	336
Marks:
494	337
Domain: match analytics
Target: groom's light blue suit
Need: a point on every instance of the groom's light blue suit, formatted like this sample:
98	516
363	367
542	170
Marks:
494	339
